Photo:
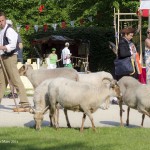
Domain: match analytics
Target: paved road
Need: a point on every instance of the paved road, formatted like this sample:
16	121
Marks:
102	118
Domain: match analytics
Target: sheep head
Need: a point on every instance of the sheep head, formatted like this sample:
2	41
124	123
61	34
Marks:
38	117
24	68
113	86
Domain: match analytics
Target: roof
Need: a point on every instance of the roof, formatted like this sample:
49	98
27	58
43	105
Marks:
54	39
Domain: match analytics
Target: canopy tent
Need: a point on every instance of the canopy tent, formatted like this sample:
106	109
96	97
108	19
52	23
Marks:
145	6
54	39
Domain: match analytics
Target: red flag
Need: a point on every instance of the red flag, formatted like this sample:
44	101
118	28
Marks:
27	27
41	8
45	27
81	21
63	24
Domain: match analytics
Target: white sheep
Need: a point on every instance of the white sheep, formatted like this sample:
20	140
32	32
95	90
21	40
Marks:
39	82
96	79
41	105
134	95
38	76
78	96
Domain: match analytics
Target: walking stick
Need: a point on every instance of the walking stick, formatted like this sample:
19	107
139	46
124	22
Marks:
11	86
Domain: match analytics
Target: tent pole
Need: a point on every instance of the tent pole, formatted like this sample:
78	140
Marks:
140	22
149	18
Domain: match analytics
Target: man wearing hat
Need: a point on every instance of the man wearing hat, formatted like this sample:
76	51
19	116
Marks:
52	59
126	48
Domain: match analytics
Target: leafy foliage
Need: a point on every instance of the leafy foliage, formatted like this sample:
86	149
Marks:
99	31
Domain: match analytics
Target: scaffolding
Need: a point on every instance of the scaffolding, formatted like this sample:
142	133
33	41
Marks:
122	20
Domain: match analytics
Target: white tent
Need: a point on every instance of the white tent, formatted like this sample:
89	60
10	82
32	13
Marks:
145	4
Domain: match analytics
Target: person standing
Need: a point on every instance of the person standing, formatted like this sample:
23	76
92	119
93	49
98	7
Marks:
65	56
52	59
19	43
8	52
147	56
126	48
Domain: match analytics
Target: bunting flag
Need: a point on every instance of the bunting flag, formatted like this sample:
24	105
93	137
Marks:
72	23
54	25
18	28
45	27
41	8
63	24
36	27
90	18
27	27
81	21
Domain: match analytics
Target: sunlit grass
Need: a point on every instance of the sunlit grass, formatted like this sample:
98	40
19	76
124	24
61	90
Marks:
114	138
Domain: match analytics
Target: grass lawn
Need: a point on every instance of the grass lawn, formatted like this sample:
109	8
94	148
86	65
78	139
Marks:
108	138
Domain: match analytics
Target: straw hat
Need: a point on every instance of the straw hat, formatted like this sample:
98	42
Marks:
127	30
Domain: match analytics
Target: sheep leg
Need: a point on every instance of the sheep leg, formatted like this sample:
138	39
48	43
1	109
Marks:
67	119
57	110
120	105
107	102
53	113
92	120
127	121
143	117
50	117
83	120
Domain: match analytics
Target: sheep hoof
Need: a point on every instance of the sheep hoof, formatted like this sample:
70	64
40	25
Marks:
68	125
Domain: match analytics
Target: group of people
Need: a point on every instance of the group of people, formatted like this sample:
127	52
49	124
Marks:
8	63
126	48
9	51
9	46
65	57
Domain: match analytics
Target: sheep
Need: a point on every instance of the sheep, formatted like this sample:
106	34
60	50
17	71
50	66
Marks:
37	76
96	79
134	95
41	105
39	82
86	98
39	96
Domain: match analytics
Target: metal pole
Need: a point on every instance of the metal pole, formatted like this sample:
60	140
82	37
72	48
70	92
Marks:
11	86
140	23
149	19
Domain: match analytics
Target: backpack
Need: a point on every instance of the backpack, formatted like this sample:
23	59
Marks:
5	42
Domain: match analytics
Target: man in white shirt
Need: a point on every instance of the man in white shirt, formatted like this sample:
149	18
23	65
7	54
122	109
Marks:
65	56
8	52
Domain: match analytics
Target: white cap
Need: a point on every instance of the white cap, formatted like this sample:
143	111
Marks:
9	22
66	44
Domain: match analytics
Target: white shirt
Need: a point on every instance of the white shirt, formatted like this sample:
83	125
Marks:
12	36
65	55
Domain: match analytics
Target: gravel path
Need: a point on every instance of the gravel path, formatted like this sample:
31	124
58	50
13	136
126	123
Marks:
102	118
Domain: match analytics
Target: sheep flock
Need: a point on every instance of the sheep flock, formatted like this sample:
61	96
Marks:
65	88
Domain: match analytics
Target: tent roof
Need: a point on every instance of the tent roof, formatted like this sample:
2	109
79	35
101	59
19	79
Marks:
145	4
54	39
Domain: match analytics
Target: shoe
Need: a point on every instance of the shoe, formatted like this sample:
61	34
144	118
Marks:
22	109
